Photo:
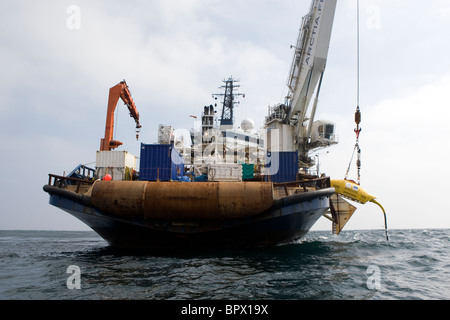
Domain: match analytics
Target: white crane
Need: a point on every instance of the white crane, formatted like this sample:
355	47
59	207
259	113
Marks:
297	130
291	129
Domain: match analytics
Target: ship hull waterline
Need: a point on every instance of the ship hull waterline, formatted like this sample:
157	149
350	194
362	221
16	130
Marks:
288	220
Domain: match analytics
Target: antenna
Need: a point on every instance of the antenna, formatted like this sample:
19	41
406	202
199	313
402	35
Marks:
227	119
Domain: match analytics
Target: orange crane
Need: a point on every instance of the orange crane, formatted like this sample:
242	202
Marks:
116	92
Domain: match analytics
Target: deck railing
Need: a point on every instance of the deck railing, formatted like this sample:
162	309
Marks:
318	183
62	182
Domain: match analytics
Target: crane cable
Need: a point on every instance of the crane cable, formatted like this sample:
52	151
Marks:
358	110
358	128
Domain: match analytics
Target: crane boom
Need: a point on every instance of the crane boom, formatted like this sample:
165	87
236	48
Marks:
295	125
309	61
118	91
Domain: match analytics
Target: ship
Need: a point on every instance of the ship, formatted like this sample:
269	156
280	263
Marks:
216	194
227	187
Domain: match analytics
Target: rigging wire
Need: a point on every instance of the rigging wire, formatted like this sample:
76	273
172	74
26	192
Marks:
358	110
358	120
357	56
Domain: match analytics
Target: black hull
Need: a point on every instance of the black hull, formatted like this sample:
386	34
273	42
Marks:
288	220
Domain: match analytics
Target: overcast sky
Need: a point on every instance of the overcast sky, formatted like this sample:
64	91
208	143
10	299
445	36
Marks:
59	59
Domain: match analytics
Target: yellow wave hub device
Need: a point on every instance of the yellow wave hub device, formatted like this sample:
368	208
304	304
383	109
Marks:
351	190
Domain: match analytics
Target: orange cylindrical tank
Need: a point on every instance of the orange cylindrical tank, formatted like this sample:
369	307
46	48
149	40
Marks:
181	200
239	199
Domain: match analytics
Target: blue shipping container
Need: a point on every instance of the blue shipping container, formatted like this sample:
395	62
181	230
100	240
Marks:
282	166
160	162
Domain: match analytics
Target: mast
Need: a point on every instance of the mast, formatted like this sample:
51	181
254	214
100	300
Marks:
229	95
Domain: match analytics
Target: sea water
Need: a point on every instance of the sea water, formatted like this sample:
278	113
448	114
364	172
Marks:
356	265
